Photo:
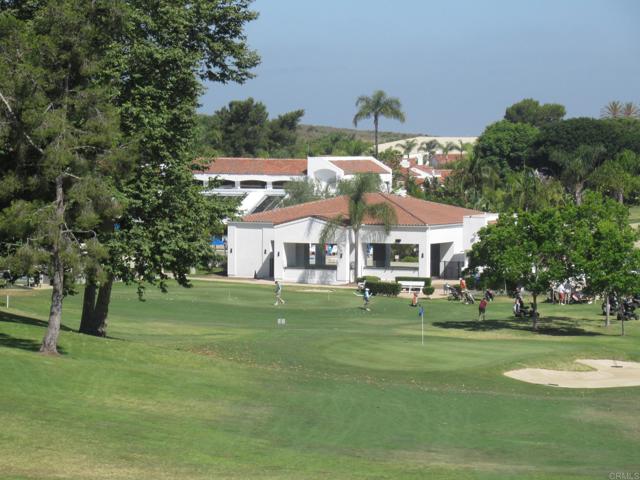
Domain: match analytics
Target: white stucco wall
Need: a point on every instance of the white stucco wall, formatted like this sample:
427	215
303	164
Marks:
249	249
472	224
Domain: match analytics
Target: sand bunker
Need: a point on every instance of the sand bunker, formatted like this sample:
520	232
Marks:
607	374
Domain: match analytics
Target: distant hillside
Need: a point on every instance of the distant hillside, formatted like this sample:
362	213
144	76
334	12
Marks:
307	133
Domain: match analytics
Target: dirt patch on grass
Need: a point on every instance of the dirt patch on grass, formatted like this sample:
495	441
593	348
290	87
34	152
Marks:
605	374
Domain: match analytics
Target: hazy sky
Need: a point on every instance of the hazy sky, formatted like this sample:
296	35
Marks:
454	64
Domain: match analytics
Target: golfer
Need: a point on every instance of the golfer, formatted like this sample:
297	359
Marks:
279	299
367	298
482	308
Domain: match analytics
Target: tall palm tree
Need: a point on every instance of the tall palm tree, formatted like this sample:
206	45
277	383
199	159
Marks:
630	110
376	106
359	209
407	147
612	109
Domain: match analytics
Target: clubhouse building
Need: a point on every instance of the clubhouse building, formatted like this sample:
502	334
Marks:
429	240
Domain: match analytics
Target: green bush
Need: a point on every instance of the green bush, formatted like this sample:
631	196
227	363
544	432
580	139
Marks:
391	289
409	259
428	290
368	279
426	280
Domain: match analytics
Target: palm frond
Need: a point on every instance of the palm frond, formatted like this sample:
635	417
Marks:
330	229
384	213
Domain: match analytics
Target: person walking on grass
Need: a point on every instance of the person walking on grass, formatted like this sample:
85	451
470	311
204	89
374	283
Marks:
279	299
482	308
366	297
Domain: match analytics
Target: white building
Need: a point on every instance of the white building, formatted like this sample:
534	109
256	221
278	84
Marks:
284	243
261	181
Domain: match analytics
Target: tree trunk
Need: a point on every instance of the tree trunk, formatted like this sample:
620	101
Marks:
534	314
607	308
578	193
622	326
357	255
375	133
620	197
50	340
88	307
102	307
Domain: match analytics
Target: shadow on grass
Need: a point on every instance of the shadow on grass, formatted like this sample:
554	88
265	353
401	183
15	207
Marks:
557	326
24	343
13	318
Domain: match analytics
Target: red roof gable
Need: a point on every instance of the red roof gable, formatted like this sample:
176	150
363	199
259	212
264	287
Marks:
257	166
409	211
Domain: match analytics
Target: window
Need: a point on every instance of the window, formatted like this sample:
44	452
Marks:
253	184
391	255
311	255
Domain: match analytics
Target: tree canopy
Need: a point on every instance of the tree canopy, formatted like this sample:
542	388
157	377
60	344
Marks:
530	111
243	129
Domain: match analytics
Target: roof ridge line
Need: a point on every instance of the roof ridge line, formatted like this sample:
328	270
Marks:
388	197
297	205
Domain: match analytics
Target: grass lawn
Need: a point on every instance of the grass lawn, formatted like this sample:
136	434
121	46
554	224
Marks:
200	384
634	214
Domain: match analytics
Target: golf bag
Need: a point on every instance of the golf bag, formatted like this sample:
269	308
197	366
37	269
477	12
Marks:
627	310
453	293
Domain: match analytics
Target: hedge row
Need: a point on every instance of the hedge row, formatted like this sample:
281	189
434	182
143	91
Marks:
384	288
368	278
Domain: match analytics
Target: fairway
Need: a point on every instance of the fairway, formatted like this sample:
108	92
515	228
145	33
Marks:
201	383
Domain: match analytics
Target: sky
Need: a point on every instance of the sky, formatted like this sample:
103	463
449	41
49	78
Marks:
454	64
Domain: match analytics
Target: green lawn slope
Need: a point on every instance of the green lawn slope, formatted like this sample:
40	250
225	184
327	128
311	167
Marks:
200	384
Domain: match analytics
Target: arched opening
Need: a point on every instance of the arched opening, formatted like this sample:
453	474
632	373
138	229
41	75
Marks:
227	184
280	184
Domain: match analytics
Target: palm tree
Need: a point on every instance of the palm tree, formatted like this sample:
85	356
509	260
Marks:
375	106
359	209
407	147
612	109
578	166
446	148
429	147
630	110
461	146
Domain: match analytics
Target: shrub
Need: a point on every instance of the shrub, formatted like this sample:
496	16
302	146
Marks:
409	259
368	279
428	290
384	288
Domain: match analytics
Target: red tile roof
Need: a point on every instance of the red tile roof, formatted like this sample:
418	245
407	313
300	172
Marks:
257	166
358	166
409	211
